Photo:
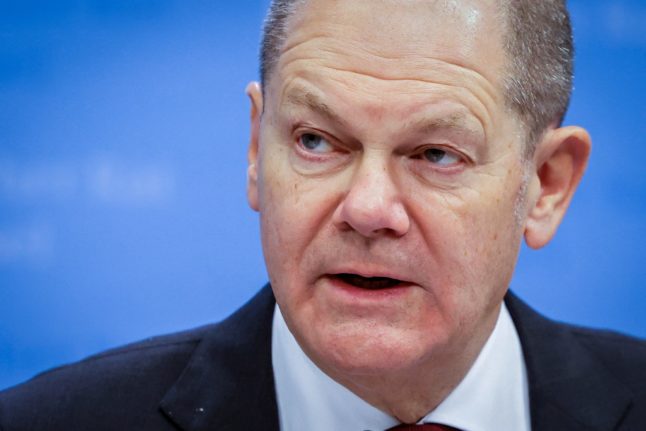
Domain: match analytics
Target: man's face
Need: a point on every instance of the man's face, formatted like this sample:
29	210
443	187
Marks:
389	181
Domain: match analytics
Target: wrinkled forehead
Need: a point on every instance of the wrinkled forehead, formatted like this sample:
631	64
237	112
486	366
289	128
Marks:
397	35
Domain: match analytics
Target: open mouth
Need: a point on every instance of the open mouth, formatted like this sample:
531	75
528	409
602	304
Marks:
373	283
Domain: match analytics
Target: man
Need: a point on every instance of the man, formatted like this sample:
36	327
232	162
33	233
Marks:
400	151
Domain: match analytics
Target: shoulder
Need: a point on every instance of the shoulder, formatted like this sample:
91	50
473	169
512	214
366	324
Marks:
621	355
594	375
123	388
613	350
133	375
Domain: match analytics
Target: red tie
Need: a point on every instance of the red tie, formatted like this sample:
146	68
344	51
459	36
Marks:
424	427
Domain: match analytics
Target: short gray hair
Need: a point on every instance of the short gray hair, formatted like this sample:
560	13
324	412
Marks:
539	47
540	50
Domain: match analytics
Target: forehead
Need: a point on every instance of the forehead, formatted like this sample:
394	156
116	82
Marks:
396	60
393	39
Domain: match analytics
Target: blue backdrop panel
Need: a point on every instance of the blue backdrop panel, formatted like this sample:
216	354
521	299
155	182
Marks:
123	131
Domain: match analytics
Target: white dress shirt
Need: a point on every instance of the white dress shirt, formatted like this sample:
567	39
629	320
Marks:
493	396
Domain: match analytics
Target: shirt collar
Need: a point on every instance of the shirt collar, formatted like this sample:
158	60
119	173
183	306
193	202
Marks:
492	396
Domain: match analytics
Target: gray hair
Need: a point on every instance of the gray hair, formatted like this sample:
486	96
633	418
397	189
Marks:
539	47
540	50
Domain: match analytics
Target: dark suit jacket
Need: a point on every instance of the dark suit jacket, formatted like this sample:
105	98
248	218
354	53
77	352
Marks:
219	377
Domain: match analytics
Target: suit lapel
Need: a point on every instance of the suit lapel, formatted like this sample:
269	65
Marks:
569	388
228	383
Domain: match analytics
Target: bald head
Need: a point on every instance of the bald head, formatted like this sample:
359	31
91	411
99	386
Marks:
536	38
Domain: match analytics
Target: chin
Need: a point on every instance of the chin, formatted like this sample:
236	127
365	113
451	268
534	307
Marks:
376	353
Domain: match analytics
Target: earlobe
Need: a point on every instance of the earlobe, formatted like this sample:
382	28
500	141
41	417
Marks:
560	161
255	96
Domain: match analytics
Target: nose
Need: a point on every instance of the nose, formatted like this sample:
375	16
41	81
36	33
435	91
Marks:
372	205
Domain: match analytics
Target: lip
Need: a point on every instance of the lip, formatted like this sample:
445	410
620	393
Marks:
349	293
368	272
352	294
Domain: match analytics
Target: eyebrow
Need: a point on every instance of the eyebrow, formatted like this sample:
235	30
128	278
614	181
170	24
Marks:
457	121
314	103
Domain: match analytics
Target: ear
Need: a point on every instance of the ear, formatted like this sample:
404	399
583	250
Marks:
255	96
560	161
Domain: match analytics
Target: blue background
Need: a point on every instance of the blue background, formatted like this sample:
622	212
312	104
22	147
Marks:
123	133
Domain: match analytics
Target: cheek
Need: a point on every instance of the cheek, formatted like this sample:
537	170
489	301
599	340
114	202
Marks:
493	249
473	241
294	212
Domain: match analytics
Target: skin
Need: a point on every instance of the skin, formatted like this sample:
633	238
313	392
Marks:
384	149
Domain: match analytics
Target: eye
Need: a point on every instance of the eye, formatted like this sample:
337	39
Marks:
315	143
441	157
